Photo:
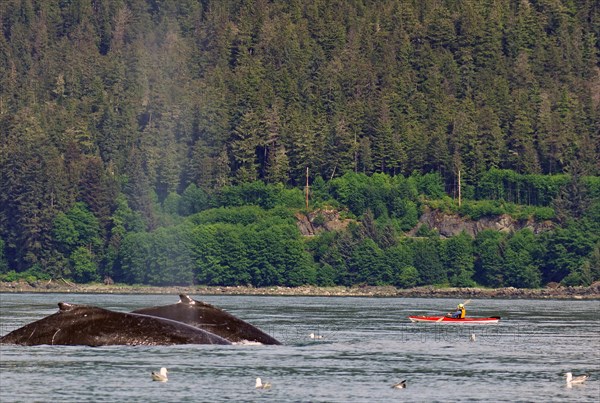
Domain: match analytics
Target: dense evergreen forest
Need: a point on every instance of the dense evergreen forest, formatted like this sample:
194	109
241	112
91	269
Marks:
168	141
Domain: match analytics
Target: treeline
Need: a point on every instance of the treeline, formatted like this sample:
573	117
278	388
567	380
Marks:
248	235
124	117
251	238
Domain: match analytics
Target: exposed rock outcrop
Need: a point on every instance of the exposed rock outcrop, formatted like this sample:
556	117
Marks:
321	220
449	225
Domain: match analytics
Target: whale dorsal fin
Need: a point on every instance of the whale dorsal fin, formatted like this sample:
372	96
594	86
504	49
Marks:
65	307
185	299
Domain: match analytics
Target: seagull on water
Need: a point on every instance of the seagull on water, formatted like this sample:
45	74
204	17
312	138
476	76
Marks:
400	385
575	380
160	376
315	336
260	385
473	338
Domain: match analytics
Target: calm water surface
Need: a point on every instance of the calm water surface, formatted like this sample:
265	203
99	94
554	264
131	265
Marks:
367	345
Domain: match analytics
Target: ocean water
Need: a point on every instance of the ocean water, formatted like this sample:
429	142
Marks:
367	345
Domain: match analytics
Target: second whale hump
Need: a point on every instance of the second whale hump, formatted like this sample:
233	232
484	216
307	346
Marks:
210	318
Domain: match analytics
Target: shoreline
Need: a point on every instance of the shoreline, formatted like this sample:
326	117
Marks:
558	292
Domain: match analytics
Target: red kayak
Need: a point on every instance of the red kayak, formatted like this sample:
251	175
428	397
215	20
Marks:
444	319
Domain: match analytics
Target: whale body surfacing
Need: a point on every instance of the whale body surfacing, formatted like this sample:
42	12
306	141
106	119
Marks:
210	318
92	326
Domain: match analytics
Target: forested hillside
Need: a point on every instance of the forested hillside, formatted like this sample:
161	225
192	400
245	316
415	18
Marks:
168	141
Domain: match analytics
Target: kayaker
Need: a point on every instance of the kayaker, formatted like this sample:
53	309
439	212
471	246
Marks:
460	312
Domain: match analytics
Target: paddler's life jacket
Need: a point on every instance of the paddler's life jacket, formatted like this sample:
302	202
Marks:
463	313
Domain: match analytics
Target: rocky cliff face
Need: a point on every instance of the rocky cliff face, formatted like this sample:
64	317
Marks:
447	225
321	220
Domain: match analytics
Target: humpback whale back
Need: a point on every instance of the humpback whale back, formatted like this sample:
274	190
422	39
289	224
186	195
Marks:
92	326
210	318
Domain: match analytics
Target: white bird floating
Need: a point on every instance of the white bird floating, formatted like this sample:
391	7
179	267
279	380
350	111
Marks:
473	338
400	385
315	336
575	380
260	385
160	376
